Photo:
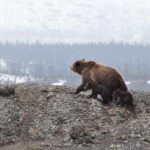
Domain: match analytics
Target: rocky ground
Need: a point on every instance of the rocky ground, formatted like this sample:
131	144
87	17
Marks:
44	117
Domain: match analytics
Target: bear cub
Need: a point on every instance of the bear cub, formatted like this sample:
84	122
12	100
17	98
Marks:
99	89
125	98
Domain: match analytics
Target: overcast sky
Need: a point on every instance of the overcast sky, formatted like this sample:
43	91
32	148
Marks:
72	21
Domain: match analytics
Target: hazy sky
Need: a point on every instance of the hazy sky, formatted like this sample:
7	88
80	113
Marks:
75	21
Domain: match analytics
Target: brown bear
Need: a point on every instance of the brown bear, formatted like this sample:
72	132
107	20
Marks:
99	74
98	89
125	98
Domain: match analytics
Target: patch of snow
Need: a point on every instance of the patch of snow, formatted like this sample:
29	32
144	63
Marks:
128	82
24	79
148	82
59	83
6	78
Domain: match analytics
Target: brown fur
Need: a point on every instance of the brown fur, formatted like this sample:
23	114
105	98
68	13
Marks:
125	98
99	74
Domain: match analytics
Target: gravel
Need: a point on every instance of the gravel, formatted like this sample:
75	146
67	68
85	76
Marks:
45	117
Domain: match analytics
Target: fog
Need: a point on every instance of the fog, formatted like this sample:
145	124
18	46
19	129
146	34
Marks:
40	39
50	63
75	21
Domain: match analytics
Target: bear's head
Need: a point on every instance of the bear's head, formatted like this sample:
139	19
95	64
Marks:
80	65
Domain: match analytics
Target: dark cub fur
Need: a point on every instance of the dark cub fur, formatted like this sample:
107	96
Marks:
99	89
125	98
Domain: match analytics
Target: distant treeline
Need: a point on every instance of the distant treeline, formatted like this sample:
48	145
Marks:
53	61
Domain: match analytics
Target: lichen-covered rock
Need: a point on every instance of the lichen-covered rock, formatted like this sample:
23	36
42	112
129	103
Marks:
7	90
80	134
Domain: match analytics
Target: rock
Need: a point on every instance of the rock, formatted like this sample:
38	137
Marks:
7	91
80	135
78	131
113	146
147	139
44	90
50	95
122	137
147	110
119	147
135	135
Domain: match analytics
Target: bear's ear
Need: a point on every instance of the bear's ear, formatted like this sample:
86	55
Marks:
91	63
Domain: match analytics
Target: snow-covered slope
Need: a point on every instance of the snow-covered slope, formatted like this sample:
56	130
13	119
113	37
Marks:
75	20
6	78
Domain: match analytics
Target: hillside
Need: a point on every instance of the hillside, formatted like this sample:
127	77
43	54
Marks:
44	117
